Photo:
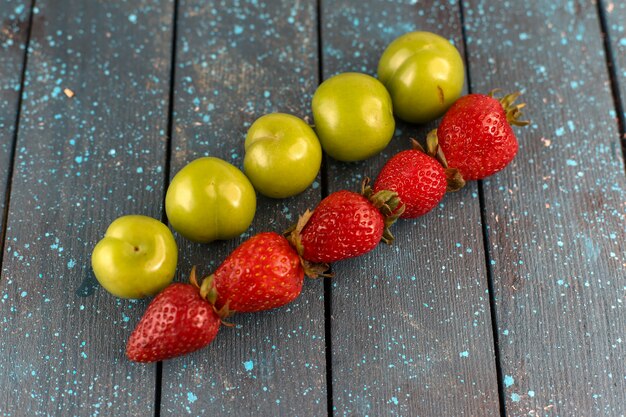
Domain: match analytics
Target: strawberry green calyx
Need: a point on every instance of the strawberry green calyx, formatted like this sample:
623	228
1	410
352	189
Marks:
513	111
453	176
209	293
294	236
389	205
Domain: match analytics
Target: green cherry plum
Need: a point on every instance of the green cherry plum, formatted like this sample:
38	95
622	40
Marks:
210	199
136	258
353	116
424	74
283	155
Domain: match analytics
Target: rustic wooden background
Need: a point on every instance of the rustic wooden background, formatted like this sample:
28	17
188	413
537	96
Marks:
508	299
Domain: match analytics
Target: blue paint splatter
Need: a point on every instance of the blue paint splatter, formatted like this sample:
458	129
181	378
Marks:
23	294
571	163
238	30
191	397
464	354
515	397
71	263
531	393
394	400
249	365
132	18
508	381
560	131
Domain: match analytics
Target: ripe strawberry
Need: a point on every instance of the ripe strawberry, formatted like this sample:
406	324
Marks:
419	180
346	224
178	321
264	272
475	134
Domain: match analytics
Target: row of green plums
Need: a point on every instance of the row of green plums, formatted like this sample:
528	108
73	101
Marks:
420	75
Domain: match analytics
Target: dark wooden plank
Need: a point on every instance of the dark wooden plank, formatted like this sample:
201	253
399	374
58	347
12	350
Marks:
411	328
235	64
80	163
556	215
14	24
613	14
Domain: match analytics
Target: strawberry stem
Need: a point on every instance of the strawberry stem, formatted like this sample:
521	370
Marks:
294	237
193	279
208	290
454	179
389	205
513	111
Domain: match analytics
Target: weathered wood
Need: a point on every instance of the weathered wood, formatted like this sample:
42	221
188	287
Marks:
613	14
81	162
411	323
556	215
233	65
14	24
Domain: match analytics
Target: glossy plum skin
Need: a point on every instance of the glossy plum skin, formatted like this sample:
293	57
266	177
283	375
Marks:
353	116
424	74
136	258
283	155
210	199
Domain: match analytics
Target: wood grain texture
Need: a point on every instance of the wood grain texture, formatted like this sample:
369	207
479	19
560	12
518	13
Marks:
411	328
235	63
81	162
556	215
14	25
614	14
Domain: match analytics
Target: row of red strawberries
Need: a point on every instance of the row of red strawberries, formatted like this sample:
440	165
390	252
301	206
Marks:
474	140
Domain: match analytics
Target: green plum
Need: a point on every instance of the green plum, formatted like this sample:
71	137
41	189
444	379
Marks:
136	258
283	155
424	74
353	116
210	199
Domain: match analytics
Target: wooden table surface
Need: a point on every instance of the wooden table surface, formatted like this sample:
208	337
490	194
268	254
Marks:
508	299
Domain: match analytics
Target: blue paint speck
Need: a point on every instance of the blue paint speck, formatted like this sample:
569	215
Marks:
515	397
23	294
508	381
191	397
71	263
531	393
464	354
238	30
249	365
394	400
132	18
571	163
560	131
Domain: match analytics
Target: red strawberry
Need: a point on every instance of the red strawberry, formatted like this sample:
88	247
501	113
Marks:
475	134
346	224
178	321
419	180
264	272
